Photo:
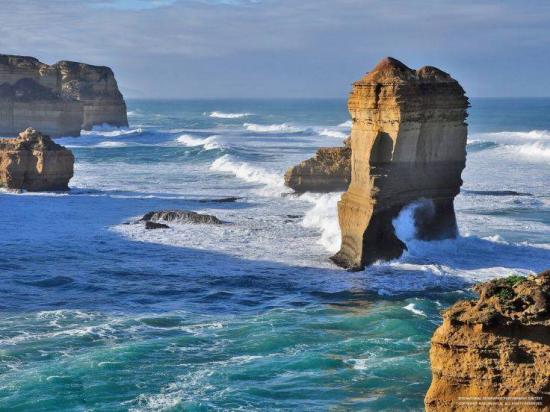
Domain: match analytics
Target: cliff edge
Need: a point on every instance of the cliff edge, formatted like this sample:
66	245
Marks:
494	354
59	99
408	142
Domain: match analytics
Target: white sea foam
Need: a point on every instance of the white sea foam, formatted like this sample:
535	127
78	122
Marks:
272	128
333	133
110	144
209	143
222	115
247	172
346	125
110	131
410	307
535	152
324	217
530	135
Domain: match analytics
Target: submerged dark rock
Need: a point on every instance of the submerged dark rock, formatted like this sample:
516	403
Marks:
180	216
229	199
154	225
496	193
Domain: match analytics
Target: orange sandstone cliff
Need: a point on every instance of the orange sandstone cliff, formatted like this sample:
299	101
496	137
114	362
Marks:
59	99
34	162
328	171
494	354
408	142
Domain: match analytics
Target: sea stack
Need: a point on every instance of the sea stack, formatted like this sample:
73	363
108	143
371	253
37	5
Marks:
328	171
494	354
60	99
35	163
408	142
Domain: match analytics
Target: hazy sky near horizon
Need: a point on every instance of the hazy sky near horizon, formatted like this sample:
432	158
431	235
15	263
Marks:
286	48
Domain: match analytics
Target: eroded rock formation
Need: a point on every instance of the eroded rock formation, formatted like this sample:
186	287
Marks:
408	142
494	350
58	100
34	162
328	171
180	216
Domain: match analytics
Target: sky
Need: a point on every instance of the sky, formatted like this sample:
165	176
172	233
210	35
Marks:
286	48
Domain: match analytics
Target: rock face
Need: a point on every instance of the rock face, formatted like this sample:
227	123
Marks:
328	171
60	99
180	216
34	162
408	142
498	346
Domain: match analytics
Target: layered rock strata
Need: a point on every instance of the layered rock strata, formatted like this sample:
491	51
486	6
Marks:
60	99
408	142
34	162
494	354
328	171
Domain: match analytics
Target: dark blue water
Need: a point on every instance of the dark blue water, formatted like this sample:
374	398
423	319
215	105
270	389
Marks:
100	314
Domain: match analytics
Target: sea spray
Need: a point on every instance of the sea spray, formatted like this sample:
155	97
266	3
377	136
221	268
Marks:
272	128
337	134
208	143
222	115
247	172
324	217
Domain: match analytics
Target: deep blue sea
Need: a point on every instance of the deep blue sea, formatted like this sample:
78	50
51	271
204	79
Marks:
98	314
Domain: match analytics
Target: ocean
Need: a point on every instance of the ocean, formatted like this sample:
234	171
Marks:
99	314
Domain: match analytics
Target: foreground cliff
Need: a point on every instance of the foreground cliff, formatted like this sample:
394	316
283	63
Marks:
59	99
408	142
34	162
494	353
328	171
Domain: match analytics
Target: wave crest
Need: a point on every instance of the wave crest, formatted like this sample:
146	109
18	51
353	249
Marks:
222	115
208	143
247	172
272	128
333	133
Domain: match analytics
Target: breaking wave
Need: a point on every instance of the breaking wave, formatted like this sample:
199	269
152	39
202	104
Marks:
110	131
536	152
111	144
272	128
333	133
208	143
247	172
324	217
346	125
222	115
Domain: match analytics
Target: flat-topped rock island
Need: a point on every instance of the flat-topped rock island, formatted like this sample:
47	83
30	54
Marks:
59	99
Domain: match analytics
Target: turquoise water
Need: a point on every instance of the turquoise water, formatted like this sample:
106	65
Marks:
101	315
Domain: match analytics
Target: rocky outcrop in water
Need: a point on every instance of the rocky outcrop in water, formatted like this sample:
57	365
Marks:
408	142
180	216
34	162
328	171
58	100
494	354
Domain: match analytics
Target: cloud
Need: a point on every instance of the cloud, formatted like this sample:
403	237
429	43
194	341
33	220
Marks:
283	47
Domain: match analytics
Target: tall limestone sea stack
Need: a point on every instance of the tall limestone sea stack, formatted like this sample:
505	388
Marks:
408	142
58	100
494	353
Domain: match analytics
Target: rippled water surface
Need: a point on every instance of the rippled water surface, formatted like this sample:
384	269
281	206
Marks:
100	314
